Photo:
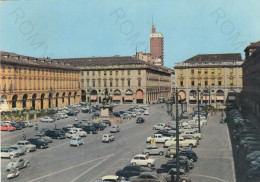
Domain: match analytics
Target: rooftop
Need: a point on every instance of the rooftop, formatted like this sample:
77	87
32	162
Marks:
215	58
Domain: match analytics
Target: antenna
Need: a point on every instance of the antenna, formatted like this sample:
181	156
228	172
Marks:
136	49
152	19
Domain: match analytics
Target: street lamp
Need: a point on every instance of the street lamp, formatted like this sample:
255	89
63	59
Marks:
169	107
199	94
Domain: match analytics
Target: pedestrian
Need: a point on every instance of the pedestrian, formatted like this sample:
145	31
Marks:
54	126
76	119
24	136
36	126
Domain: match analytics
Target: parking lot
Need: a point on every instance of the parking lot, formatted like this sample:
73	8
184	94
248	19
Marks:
94	159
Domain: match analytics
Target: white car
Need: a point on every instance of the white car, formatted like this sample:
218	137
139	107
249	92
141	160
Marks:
9	153
79	131
27	145
158	126
108	138
146	112
159	138
71	134
47	119
114	129
76	141
18	148
196	135
182	142
142	160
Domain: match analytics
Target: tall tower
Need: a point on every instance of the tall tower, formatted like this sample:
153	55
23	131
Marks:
156	46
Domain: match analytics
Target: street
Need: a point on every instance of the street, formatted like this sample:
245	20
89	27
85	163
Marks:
94	159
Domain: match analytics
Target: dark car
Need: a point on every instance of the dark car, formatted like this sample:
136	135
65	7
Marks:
40	143
86	111
55	134
90	129
17	126
116	114
99	126
189	154
140	120
131	170
165	133
22	124
43	130
107	122
71	113
59	130
254	172
165	168
95	115
53	117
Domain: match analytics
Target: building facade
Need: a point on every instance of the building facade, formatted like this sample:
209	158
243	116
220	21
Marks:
157	46
218	77
127	79
37	83
251	79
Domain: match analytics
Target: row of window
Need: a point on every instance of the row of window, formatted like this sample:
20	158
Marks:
108	72
206	71
37	71
231	82
110	82
41	84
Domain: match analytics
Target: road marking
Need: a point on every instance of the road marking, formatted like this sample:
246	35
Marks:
212	149
69	168
101	174
100	162
208	177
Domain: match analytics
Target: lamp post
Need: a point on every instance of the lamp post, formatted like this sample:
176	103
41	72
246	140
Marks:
169	104
199	94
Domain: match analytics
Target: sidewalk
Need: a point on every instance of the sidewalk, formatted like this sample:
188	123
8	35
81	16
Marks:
216	162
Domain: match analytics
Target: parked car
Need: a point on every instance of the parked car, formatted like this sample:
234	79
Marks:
71	134
114	129
7	127
189	154
95	115
76	141
140	120
90	129
44	137
158	126
182	142
99	126
147	176
28	123
131	170
142	160
107	122
159	138
254	172
146	112
108	138
173	173
27	145
79	131
40	143
17	163
9	153
116	114
153	150
71	113
20	149
47	119
22	124
55	134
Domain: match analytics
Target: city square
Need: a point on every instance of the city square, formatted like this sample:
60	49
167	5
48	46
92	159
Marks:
130	91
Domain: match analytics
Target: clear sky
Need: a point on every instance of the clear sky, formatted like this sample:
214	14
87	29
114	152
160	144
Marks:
85	28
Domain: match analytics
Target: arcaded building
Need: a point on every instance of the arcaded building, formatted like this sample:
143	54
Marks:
127	79
251	79
218	76
37	83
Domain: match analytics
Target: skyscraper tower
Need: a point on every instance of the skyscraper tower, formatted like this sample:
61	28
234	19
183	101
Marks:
156	46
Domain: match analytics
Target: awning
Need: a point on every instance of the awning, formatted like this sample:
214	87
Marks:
205	97
117	97
220	97
128	97
139	95
93	97
192	98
